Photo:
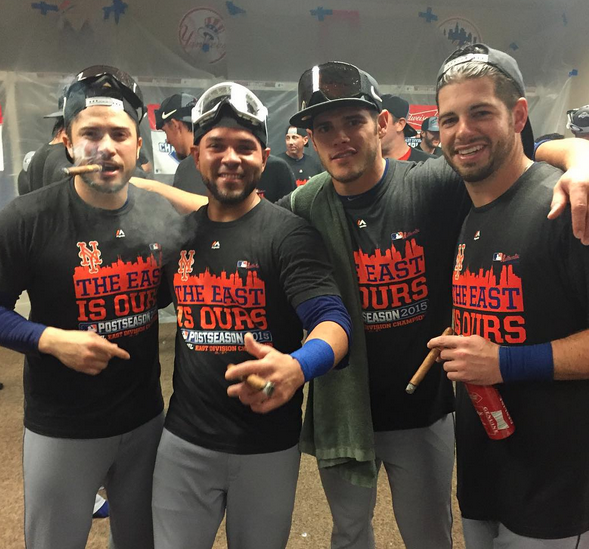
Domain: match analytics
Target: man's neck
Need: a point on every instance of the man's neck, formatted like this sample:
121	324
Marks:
397	150
364	183
426	148
294	156
225	213
97	199
486	191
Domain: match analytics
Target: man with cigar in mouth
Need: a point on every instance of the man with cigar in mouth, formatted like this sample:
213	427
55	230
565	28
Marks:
521	318
245	284
89	252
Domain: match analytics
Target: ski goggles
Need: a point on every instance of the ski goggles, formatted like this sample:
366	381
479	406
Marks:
235	100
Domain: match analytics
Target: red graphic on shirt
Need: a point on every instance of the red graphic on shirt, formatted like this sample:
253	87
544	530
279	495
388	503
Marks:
215	311
185	264
119	299
301	182
490	305
90	256
393	286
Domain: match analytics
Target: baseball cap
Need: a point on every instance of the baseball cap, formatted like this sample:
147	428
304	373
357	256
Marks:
102	85
298	131
59	112
332	85
430	124
177	106
481	53
230	104
399	108
578	120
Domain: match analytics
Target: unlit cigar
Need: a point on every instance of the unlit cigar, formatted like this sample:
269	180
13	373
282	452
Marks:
429	361
258	383
79	170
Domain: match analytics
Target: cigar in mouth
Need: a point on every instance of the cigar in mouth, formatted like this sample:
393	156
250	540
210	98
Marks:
79	170
258	383
429	361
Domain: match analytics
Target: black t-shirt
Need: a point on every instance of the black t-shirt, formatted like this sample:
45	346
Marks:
247	275
522	279
417	155
277	180
404	232
302	169
89	269
437	151
188	178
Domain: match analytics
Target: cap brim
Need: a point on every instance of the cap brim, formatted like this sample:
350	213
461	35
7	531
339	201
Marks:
527	137
409	130
56	114
304	118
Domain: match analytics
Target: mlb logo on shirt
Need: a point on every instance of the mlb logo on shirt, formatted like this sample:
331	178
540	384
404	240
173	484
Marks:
242	264
397	236
498	256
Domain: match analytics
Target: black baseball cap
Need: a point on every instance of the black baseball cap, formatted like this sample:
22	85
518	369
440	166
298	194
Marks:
430	124
481	53
399	108
299	131
102	85
177	106
333	85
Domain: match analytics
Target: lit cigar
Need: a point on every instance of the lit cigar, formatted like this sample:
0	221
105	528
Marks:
425	366
258	383
79	170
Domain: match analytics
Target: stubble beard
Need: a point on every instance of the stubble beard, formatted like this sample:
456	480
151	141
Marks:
228	198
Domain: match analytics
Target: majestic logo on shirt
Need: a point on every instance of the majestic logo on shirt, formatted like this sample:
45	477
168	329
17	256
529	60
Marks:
477	235
185	264
216	245
361	224
90	256
459	260
120	233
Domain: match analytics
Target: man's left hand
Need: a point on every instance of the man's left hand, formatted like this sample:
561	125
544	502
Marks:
272	365
471	359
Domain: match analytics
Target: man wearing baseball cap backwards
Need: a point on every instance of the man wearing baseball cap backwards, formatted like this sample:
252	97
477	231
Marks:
245	284
578	122
174	117
88	251
390	228
521	306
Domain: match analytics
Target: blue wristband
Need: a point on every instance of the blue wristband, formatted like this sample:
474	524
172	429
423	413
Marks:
316	358
526	363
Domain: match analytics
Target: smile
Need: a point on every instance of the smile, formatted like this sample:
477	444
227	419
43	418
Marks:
470	150
344	154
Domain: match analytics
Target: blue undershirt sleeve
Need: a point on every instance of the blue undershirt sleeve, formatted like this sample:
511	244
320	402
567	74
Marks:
325	308
18	333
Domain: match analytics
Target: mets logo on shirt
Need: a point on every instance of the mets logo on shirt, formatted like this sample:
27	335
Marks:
90	255
459	261
185	264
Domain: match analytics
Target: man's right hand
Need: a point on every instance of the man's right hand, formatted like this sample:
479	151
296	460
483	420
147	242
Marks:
84	352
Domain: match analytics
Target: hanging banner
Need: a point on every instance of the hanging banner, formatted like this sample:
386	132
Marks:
165	160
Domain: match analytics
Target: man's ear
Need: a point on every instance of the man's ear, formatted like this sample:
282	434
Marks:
68	145
139	145
383	122
520	114
195	152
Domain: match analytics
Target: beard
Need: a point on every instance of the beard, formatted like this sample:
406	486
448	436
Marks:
476	173
105	189
230	198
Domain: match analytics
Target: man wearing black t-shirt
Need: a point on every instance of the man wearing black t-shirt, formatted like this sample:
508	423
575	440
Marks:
389	227
521	308
302	165
430	136
89	252
245	284
174	118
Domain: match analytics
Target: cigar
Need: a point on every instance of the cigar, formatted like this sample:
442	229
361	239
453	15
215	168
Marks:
78	170
258	383
425	366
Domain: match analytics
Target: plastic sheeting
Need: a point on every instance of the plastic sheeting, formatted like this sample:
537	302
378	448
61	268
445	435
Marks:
266	44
